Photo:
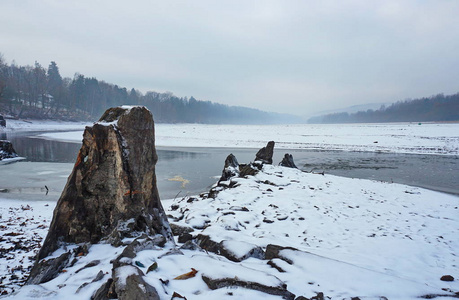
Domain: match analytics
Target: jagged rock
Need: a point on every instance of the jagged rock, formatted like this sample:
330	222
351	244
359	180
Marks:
217	283
265	154
231	168
249	170
2	122
111	193
129	284
206	243
7	150
46	270
287	161
104	292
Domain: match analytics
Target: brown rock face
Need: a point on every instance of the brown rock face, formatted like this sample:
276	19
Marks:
111	192
265	154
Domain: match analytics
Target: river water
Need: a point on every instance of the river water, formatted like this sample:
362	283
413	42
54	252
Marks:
190	171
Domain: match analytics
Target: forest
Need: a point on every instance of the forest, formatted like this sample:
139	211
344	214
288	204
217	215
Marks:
37	93
438	108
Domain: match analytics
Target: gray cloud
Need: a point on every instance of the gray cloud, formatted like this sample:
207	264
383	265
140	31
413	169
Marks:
289	56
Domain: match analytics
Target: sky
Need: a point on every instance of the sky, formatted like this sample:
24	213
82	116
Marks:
298	57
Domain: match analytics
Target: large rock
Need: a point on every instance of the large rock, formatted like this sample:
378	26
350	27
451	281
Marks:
231	168
7	150
287	161
265	154
111	193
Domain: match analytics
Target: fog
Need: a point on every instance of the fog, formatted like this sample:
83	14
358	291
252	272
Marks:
298	57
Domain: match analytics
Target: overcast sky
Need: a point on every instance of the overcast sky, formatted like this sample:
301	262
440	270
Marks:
295	57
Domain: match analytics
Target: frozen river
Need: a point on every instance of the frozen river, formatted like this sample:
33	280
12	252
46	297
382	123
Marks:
188	171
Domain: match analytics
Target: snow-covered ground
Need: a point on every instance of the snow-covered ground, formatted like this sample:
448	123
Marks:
41	125
356	238
427	138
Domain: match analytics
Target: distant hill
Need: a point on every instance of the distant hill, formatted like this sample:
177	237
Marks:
432	109
352	109
38	93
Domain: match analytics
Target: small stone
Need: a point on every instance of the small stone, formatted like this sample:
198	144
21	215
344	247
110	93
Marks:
447	278
185	237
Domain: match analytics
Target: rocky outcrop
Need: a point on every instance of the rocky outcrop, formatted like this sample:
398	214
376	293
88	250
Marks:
287	161
231	168
7	150
111	193
265	154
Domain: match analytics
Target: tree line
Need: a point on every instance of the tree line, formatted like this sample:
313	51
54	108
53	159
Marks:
429	109
42	93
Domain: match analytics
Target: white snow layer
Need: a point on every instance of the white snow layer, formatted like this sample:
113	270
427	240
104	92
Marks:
427	138
357	238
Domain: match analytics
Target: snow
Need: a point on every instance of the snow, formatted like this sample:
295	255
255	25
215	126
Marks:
428	138
42	125
355	238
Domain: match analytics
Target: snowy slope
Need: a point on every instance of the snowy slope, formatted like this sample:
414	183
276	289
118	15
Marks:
355	238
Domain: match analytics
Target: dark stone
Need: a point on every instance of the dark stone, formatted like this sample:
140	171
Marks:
111	193
185	237
132	286
206	243
89	265
320	296
7	150
275	266
231	168
190	245
287	161
138	245
447	278
99	276
179	230
217	283
273	251
256	252
265	154
104	293
2	122
46	270
248	170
